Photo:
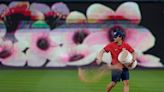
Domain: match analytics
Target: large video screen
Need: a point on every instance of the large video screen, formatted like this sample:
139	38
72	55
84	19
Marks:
68	34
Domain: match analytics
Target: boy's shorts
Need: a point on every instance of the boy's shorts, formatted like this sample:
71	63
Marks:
118	74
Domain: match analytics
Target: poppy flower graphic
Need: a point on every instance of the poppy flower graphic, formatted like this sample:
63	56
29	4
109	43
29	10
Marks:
14	14
11	55
42	44
40	47
54	16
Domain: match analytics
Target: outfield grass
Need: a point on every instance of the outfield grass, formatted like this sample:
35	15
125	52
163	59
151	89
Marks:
68	81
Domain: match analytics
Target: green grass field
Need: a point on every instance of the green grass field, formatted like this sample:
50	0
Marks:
68	81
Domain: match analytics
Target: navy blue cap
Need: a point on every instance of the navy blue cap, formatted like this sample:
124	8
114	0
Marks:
117	32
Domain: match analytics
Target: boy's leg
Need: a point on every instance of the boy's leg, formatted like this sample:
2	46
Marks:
125	79
116	75
126	86
110	86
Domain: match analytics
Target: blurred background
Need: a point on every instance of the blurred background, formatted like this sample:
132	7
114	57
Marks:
53	44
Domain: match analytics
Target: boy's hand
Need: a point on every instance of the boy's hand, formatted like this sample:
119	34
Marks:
98	60
130	65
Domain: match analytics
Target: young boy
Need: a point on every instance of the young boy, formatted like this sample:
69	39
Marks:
119	71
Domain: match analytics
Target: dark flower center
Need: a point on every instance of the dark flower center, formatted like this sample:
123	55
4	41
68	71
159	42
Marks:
76	57
53	20
79	36
43	44
5	53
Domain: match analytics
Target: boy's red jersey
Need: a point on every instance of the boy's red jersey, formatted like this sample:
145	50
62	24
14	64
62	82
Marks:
115	49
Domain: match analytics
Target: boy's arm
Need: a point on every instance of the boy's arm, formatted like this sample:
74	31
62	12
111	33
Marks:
99	56
130	49
134	54
99	60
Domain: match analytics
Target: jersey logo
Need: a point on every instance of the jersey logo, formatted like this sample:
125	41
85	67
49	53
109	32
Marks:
115	49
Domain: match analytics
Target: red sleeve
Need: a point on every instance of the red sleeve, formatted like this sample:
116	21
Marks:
129	48
108	47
